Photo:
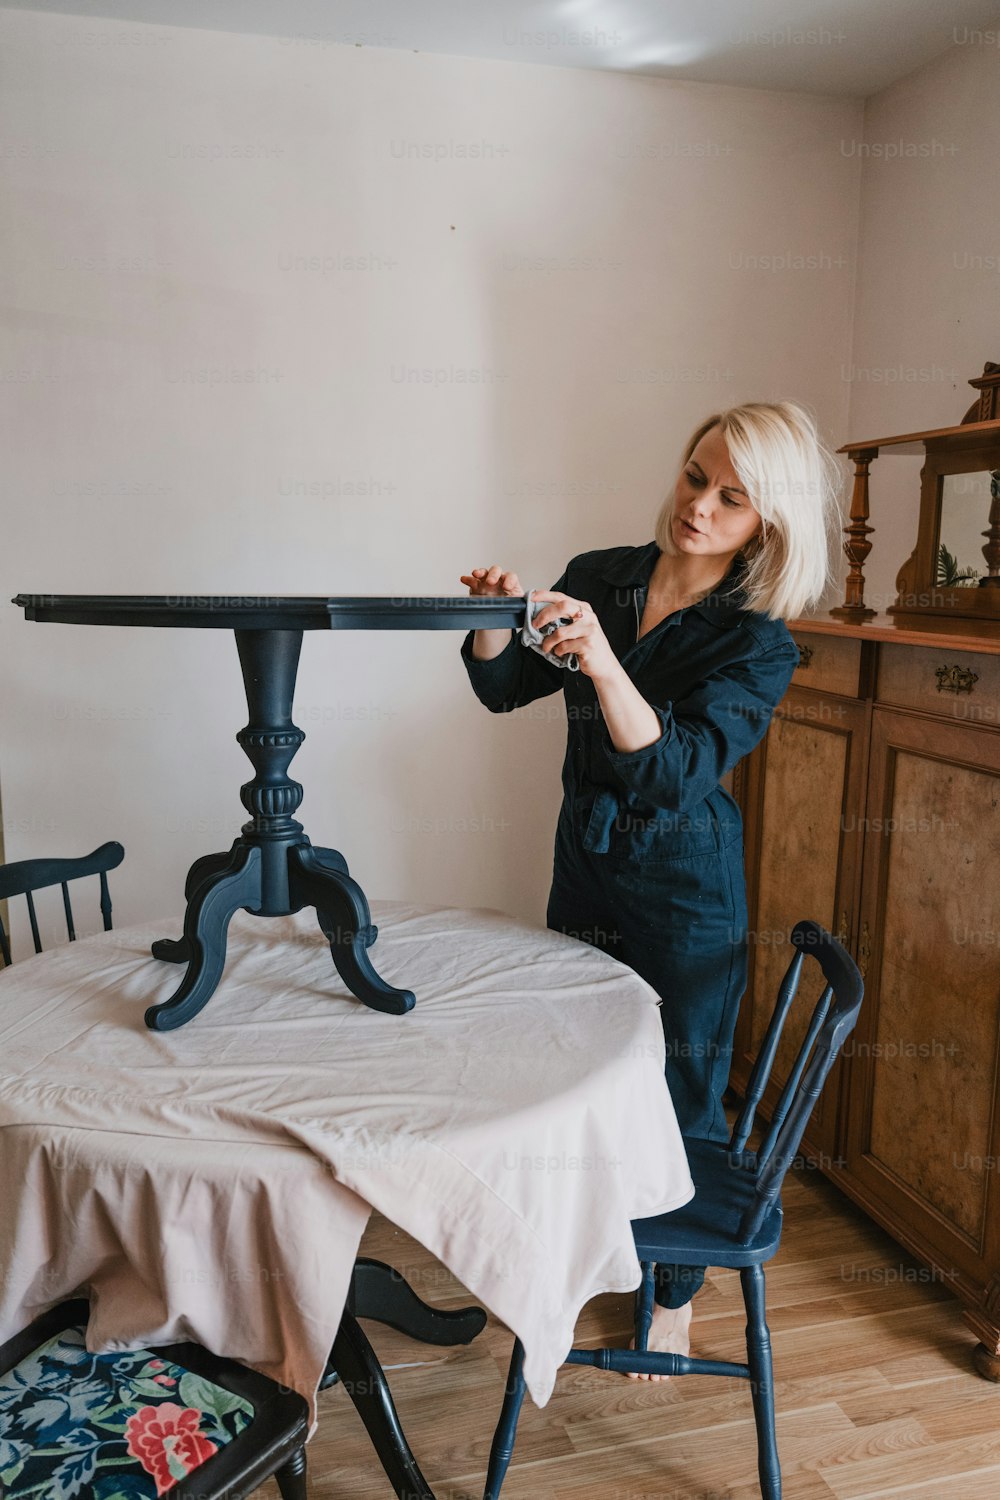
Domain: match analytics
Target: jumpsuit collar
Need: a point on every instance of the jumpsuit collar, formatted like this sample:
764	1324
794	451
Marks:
636	568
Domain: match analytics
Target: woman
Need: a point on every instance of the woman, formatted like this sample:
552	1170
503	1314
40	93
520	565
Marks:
683	654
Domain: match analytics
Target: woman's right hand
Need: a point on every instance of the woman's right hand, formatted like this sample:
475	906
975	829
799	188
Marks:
492	581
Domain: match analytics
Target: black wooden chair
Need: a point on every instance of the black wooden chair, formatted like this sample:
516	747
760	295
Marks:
25	876
735	1216
70	1418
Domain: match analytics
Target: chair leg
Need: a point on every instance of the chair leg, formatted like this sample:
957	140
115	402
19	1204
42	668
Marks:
291	1477
761	1381
503	1438
644	1306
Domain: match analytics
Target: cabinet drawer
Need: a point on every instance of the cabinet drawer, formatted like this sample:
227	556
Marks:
941	680
828	663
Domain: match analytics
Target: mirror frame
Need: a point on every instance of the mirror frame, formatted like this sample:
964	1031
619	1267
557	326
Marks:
918	591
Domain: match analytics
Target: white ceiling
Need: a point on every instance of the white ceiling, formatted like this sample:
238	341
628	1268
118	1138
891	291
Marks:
853	47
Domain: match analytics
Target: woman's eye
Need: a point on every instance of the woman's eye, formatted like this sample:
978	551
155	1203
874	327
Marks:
699	479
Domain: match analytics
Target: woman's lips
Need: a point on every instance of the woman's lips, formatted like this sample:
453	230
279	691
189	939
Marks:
693	529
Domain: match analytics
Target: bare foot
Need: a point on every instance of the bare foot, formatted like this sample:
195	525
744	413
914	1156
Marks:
670	1332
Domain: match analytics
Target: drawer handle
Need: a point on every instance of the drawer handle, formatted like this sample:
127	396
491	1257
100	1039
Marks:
864	949
955	679
805	655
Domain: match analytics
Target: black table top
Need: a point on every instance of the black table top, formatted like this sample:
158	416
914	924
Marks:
277	611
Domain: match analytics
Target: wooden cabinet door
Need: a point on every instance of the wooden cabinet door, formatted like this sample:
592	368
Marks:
802	794
923	1125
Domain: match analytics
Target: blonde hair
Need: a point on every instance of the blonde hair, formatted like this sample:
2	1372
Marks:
794	482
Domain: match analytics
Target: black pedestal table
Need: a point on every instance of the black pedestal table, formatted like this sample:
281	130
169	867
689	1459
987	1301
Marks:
272	870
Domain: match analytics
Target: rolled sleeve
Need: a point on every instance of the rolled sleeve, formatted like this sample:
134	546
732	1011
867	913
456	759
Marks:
516	677
704	734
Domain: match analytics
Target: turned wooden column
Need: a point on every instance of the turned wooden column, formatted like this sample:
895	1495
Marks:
991	551
856	543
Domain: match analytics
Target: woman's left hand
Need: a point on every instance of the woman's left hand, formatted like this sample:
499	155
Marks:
583	635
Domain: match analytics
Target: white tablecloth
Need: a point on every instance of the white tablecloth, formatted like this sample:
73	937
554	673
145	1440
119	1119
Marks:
214	1182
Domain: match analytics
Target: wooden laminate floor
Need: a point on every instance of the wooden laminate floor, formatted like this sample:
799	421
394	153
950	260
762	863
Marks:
875	1391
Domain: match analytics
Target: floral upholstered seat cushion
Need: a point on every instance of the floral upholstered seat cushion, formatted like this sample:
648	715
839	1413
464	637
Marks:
120	1426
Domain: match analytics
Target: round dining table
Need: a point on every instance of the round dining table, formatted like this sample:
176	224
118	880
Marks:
213	1182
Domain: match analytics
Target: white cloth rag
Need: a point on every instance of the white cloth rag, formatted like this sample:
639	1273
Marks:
533	637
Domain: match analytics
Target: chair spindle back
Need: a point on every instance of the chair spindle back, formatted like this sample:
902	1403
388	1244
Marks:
25	876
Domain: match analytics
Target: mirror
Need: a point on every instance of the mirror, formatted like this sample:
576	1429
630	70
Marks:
955	567
965	516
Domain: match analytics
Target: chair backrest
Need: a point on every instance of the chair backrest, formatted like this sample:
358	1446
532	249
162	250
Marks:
833	1019
25	876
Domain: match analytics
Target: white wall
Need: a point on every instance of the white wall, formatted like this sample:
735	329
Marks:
166	193
928	306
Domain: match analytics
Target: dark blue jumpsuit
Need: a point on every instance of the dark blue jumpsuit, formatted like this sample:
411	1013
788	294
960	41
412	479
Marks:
648	862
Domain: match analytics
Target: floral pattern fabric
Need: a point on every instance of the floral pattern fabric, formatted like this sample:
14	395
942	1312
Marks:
120	1426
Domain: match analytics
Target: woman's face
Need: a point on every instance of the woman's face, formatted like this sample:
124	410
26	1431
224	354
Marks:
712	515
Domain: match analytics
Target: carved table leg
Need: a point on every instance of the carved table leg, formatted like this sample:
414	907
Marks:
330	859
171	950
987	1362
205	924
379	1292
345	918
175	950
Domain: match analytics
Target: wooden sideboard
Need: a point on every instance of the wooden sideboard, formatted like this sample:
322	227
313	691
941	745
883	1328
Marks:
873	805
